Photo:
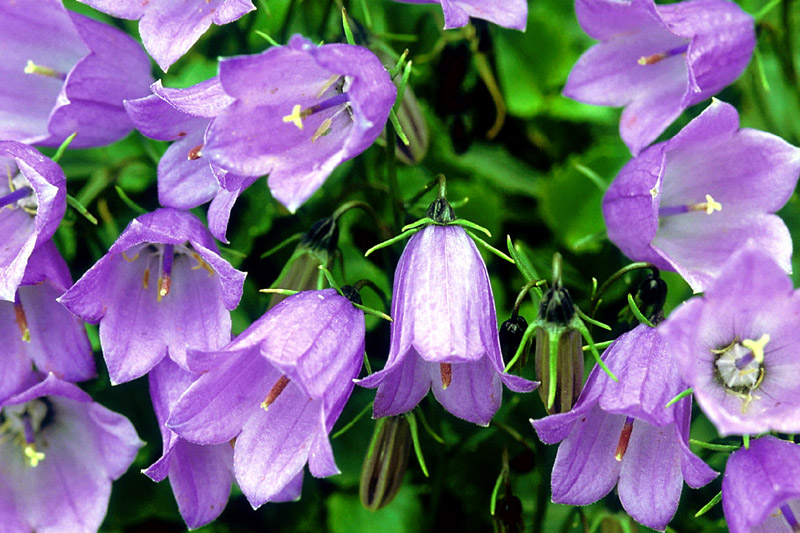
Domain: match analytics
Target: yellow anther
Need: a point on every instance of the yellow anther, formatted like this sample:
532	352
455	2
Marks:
130	259
323	129
32	455
295	117
651	59
327	85
757	347
712	205
202	264
146	279
33	68
164	284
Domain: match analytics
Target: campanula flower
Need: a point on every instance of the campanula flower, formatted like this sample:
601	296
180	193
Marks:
657	60
737	346
508	13
33	199
277	389
687	204
161	289
621	433
169	28
59	453
64	73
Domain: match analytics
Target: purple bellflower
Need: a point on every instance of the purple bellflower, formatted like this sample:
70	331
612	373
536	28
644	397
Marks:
36	329
161	289
59	453
33	198
64	73
737	346
761	487
621	433
688	203
507	13
185	178
200	476
444	331
299	111
277	389
169	28
657	60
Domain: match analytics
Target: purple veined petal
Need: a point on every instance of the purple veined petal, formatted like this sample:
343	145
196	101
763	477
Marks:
604	19
186	181
219	211
15	365
291	492
206	99
650	480
274	444
696	473
17	247
509	14
475	391
118	8
585	469
154	117
320	458
400	387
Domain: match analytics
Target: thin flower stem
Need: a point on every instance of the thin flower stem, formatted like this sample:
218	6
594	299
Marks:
127	201
435	436
367	16
714	447
637	313
353	422
495	491
746	441
707	507
765	10
391	177
412	425
489	247
523	293
367	366
294	238
594	301
330	279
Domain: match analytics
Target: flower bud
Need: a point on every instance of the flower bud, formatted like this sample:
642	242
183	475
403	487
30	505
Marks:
651	295
511	333
385	463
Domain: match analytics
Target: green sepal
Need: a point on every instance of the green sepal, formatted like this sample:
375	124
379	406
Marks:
707	507
678	397
355	419
426	221
591	320
523	263
412	425
348	33
495	492
637	313
267	38
294	238
63	148
525	340
77	206
398	128
127	201
384	244
471	225
580	326
716	447
489	247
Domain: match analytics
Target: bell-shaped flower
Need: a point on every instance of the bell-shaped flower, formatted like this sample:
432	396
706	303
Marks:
621	433
761	487
689	203
657	60
277	389
64	73
508	13
737	346
33	198
37	330
299	111
200	476
169	28
444	331
161	289
59	453
186	179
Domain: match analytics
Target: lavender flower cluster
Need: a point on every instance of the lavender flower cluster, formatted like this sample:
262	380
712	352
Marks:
257	408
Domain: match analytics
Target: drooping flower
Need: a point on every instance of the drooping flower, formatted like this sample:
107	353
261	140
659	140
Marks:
169	28
620	433
59	453
64	73
37	330
200	476
657	60
507	13
161	289
737	346
33	198
299	111
277	389
444	330
761	487
688	203
186	179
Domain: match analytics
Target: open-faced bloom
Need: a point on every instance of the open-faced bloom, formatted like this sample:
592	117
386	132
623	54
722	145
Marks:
64	73
508	13
299	111
200	476
444	331
161	289
33	198
59	453
277	389
170	27
689	203
761	487
737	346
657	60
621	433
186	179
37	330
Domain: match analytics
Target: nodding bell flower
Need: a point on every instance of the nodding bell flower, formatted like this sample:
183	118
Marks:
161	289
444	330
761	487
59	453
657	60
64	73
385	462
736	347
276	390
689	203
33	199
169	28
507	13
37	330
